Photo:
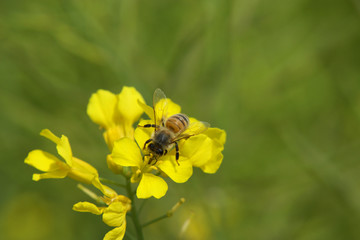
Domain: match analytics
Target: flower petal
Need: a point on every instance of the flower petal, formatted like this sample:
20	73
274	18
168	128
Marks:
49	135
82	171
216	134
128	106
116	132
114	214
143	134
117	169
107	191
203	152
149	111
88	207
151	185
197	148
117	233
56	174
80	165
64	150
101	108
62	145
48	163
213	164
126	153
178	173
45	161
172	108
123	199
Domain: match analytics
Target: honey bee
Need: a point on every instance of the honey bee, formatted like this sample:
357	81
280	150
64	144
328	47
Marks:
169	130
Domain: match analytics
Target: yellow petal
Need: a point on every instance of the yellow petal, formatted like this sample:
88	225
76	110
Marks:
173	108
62	145
114	214
64	150
136	175
101	108
213	164
143	134
88	207
49	135
82	171
48	163
114	133
80	165
151	185
107	191
164	109
117	169
149	111
45	161
126	153
55	174
117	233
203	152
128	106
197	148
177	173
125	200
216	134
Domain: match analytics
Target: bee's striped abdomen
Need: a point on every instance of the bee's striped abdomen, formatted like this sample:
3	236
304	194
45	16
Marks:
177	123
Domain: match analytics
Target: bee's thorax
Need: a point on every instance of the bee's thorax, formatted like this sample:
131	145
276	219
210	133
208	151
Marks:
163	137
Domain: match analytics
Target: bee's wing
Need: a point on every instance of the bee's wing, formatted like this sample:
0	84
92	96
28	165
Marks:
159	106
193	129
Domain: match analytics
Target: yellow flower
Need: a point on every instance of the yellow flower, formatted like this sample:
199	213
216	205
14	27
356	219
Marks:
55	168
115	113
127	153
204	150
114	214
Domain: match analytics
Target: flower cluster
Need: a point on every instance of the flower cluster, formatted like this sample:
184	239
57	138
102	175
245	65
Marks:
116	115
114	213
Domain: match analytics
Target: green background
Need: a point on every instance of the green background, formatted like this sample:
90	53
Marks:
281	77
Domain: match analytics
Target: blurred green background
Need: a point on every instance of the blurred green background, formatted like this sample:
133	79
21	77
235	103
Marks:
281	77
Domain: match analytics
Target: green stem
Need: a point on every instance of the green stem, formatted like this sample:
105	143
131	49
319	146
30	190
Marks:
166	215
129	236
104	180
142	205
134	213
155	220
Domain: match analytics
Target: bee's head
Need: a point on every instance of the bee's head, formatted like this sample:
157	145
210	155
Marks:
156	148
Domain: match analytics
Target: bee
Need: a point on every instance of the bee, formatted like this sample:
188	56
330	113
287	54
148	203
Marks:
169	130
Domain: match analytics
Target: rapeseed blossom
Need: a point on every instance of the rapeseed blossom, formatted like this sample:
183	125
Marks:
203	151
113	214
127	153
117	115
55	168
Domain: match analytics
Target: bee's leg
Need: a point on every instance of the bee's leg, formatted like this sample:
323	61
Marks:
151	159
149	126
165	152
147	142
145	155
177	153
